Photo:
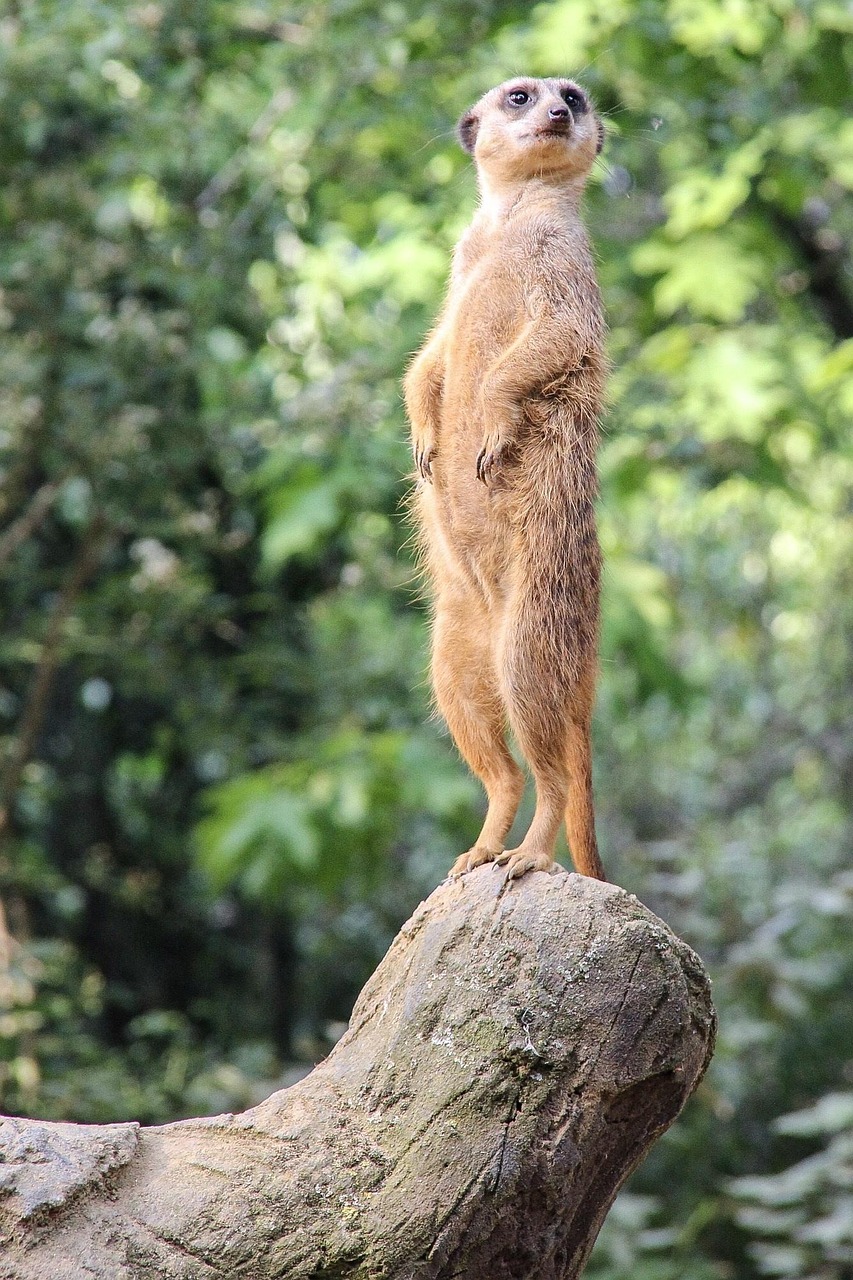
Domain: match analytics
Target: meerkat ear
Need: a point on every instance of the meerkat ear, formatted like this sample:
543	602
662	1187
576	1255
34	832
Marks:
466	131
600	147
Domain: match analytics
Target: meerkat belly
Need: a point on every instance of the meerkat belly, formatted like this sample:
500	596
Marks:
468	531
471	524
486	320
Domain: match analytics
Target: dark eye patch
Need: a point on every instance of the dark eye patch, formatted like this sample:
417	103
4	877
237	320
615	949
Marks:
575	101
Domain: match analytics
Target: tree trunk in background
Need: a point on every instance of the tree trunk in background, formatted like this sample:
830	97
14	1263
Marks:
509	1063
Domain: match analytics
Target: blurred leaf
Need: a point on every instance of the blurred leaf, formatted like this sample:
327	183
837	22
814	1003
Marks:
303	510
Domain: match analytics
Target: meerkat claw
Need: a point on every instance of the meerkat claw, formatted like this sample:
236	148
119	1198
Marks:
488	461
473	858
423	461
518	864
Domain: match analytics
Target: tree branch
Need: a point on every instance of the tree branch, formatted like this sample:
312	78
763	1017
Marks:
510	1062
82	567
30	520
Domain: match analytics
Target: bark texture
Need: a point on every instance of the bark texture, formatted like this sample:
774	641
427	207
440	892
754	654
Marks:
509	1063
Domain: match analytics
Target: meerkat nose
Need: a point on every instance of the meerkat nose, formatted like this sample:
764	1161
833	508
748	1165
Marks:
558	113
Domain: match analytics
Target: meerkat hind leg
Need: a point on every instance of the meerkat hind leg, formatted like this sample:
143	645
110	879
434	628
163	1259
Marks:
545	754
468	697
537	849
537	711
573	789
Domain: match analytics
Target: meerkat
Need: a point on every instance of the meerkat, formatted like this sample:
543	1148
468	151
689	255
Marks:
503	400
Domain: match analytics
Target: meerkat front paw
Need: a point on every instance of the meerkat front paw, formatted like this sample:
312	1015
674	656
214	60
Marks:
490	458
518	862
424	453
473	858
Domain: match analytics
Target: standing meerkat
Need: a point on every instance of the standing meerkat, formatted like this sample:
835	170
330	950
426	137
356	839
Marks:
503	400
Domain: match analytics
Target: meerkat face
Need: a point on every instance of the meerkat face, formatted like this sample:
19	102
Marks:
533	128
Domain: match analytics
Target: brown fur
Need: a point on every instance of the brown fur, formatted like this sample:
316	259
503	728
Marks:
503	400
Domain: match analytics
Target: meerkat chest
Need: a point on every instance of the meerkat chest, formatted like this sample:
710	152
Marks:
492	300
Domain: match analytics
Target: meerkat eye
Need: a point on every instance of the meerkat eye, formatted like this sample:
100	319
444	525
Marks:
575	101
517	97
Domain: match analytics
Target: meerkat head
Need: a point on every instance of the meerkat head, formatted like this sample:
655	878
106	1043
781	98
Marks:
532	128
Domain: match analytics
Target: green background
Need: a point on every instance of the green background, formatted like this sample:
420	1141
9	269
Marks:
223	229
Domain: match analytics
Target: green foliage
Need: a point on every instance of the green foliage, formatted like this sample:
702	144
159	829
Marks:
224	230
802	1217
327	818
54	1061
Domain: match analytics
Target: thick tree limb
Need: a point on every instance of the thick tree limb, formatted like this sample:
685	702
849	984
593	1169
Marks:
510	1062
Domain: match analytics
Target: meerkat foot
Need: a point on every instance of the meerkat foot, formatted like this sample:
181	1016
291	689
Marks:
518	862
473	858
